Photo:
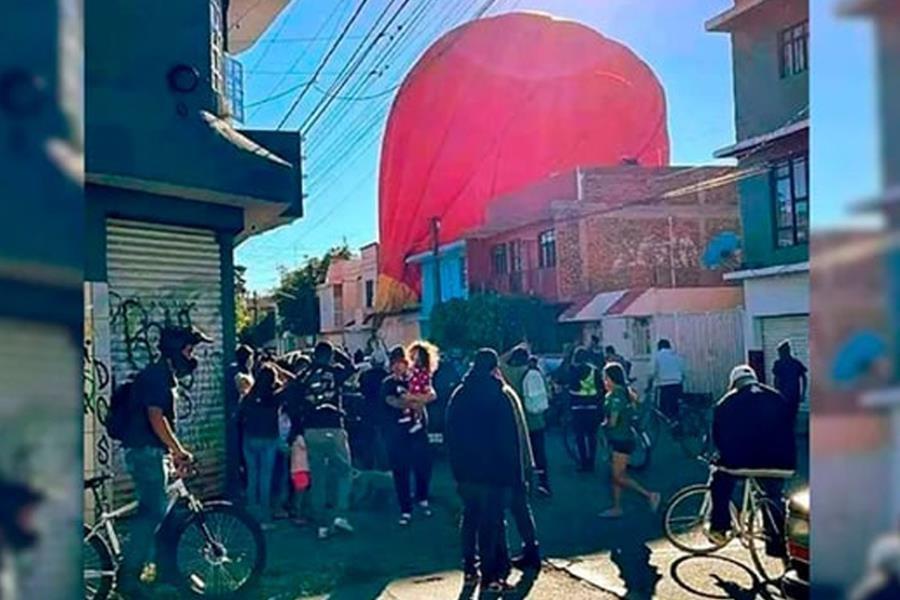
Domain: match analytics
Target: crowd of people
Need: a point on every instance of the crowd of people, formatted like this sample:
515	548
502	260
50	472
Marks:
295	418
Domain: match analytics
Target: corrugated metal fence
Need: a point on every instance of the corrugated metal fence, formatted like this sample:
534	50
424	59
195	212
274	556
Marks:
711	344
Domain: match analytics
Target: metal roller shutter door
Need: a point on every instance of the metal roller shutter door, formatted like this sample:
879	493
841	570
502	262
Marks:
162	274
777	329
40	409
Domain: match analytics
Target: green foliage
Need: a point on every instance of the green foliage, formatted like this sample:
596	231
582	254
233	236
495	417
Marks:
491	320
298	305
242	317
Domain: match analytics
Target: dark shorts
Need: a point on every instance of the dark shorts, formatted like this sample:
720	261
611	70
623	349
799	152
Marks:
622	446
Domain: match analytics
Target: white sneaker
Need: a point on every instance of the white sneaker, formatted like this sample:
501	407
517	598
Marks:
416	427
323	533
405	518
405	420
426	508
343	524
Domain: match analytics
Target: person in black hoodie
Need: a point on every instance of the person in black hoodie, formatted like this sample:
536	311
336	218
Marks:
752	429
485	449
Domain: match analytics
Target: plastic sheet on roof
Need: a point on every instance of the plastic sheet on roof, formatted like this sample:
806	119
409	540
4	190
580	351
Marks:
497	104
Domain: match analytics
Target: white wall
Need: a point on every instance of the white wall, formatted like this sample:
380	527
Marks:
326	308
773	296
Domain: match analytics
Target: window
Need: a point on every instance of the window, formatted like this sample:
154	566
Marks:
515	256
370	293
498	259
640	337
794	49
217	46
547	249
791	197
338	292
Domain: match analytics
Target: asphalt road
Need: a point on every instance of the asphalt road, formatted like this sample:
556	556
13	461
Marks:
585	556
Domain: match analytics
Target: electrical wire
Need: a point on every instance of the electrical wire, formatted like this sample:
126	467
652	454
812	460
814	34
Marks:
324	61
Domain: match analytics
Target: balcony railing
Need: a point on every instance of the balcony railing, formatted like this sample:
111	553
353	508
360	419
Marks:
530	282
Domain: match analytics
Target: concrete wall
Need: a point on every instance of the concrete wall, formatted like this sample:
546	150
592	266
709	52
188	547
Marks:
773	296
764	101
851	501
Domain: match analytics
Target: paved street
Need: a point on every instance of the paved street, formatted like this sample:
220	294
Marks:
586	556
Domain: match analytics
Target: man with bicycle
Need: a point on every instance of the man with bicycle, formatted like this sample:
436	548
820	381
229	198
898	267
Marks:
149	434
751	429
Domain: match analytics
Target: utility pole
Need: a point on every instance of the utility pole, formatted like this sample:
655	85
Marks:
255	308
435	248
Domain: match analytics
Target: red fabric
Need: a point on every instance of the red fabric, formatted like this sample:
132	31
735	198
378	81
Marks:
493	106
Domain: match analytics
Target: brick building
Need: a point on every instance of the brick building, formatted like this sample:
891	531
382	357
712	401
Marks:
602	229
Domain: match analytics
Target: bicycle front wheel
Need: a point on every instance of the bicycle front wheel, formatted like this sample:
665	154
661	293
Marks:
220	552
685	519
762	535
99	568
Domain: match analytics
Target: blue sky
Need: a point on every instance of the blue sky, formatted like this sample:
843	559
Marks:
342	149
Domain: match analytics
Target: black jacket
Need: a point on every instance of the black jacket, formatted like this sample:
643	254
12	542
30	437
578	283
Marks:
753	428
481	434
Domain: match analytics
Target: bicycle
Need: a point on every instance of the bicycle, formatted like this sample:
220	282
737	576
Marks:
688	512
207	549
638	460
692	427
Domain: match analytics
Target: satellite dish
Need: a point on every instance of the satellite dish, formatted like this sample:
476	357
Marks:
721	250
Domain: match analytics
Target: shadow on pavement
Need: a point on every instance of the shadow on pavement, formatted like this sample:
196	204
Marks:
730	588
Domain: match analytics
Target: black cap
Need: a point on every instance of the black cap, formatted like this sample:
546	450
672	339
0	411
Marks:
174	339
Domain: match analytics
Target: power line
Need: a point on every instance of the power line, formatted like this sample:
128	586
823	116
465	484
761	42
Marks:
324	60
352	66
278	96
300	55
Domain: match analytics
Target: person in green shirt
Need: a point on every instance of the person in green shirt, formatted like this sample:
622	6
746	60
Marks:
619	408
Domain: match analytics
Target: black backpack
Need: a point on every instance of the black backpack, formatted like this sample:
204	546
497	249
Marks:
119	415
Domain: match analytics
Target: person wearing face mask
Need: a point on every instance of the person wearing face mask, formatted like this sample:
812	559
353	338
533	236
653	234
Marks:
150	436
17	533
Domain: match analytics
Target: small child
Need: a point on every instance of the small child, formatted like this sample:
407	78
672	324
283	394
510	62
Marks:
425	358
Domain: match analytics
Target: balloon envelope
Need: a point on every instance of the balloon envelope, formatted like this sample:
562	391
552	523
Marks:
497	104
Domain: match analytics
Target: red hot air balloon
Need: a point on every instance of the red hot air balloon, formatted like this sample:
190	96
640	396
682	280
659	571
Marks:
497	104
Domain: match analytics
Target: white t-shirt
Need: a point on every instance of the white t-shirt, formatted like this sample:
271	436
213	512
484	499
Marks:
535	391
668	368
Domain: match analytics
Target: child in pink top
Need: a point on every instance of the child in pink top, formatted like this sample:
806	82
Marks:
424	358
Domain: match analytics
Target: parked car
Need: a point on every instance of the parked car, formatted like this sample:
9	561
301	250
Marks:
795	583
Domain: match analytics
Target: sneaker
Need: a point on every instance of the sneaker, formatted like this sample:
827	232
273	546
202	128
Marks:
148	574
323	533
611	513
343	524
404	420
498	587
405	518
426	508
719	538
416	427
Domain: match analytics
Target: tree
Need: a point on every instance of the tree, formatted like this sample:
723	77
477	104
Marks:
242	317
494	321
298	304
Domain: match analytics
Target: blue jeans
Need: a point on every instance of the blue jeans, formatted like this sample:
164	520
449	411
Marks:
260	454
145	465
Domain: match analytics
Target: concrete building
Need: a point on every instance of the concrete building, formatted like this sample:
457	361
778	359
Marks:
856	429
770	56
602	229
172	186
41	263
347	300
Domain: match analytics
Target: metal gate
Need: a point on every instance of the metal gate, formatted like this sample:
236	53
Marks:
163	275
777	329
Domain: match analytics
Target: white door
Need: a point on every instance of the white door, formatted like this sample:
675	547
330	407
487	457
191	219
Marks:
777	329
